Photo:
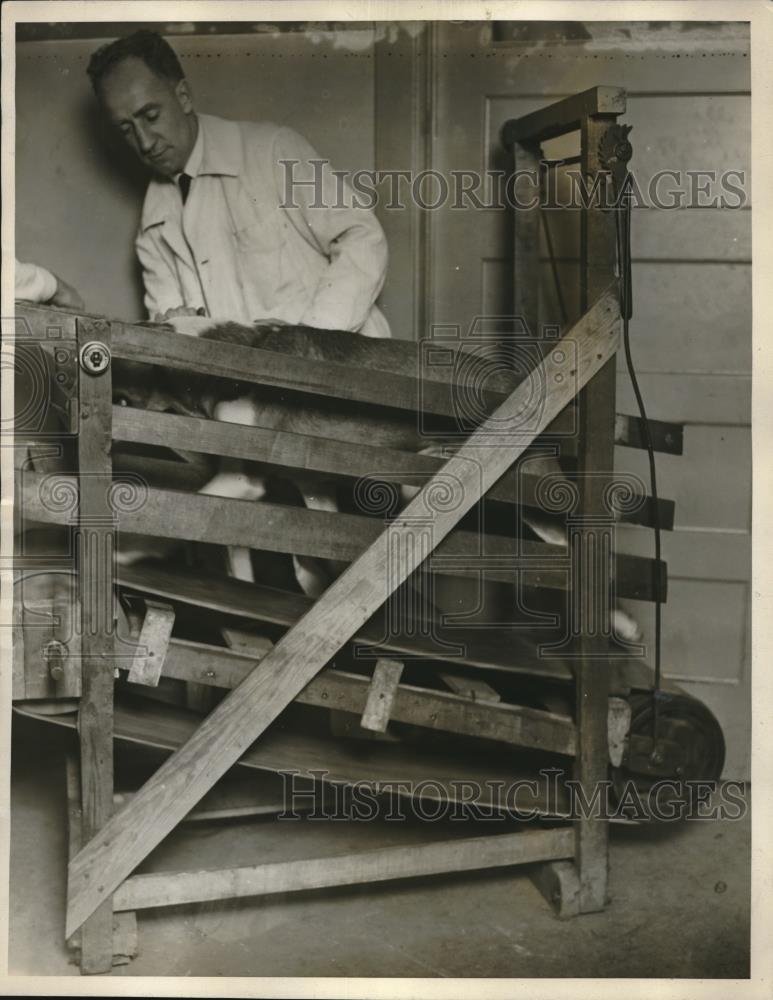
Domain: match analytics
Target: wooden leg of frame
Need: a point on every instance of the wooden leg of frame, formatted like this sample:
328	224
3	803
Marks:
125	941
95	540
592	830
594	470
559	884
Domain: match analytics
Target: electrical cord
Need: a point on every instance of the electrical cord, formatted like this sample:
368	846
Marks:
623	231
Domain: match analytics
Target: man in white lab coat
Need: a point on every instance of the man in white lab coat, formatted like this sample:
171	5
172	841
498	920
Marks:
227	228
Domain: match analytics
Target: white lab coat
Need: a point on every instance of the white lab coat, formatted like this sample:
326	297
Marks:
33	283
235	250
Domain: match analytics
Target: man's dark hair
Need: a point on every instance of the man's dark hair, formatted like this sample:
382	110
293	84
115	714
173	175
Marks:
157	54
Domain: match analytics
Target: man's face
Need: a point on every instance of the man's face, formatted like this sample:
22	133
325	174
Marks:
154	114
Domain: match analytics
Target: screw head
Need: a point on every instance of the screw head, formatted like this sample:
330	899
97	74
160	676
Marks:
94	357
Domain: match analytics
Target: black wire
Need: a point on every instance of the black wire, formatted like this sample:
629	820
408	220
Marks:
553	267
623	219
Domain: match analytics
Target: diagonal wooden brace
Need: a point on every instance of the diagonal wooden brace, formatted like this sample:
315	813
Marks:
126	839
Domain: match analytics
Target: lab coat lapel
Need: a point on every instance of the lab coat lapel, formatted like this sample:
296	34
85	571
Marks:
161	210
209	222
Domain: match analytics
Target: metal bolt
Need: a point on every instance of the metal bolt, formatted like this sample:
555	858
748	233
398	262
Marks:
95	357
55	653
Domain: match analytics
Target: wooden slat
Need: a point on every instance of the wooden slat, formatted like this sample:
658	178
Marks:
289	450
379	865
666	437
42	319
397	363
153	643
470	687
283	371
564	116
491	648
255	646
388	768
381	695
325	535
343	609
162	473
315	454
483	716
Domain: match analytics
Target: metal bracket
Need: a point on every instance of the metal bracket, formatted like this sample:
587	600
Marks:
615	151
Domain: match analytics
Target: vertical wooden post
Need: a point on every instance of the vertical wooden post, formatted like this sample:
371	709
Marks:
404	69
95	535
596	455
526	247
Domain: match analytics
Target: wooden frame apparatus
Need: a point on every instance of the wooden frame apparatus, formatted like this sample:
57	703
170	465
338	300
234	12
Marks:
264	677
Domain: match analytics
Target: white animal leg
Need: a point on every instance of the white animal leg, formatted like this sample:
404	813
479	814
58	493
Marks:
624	627
314	575
240	563
233	482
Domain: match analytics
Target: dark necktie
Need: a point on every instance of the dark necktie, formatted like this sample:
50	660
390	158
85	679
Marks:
185	185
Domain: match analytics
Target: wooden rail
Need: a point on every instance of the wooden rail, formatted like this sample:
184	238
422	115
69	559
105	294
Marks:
563	116
326	535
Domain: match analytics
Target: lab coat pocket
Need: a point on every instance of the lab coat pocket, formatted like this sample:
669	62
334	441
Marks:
259	250
257	238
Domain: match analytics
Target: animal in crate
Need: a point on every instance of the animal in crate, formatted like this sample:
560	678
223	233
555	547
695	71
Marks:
247	403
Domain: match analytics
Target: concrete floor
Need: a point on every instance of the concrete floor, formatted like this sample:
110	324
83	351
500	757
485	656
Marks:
680	901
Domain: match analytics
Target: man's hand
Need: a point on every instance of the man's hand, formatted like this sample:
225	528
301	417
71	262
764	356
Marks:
177	311
67	296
